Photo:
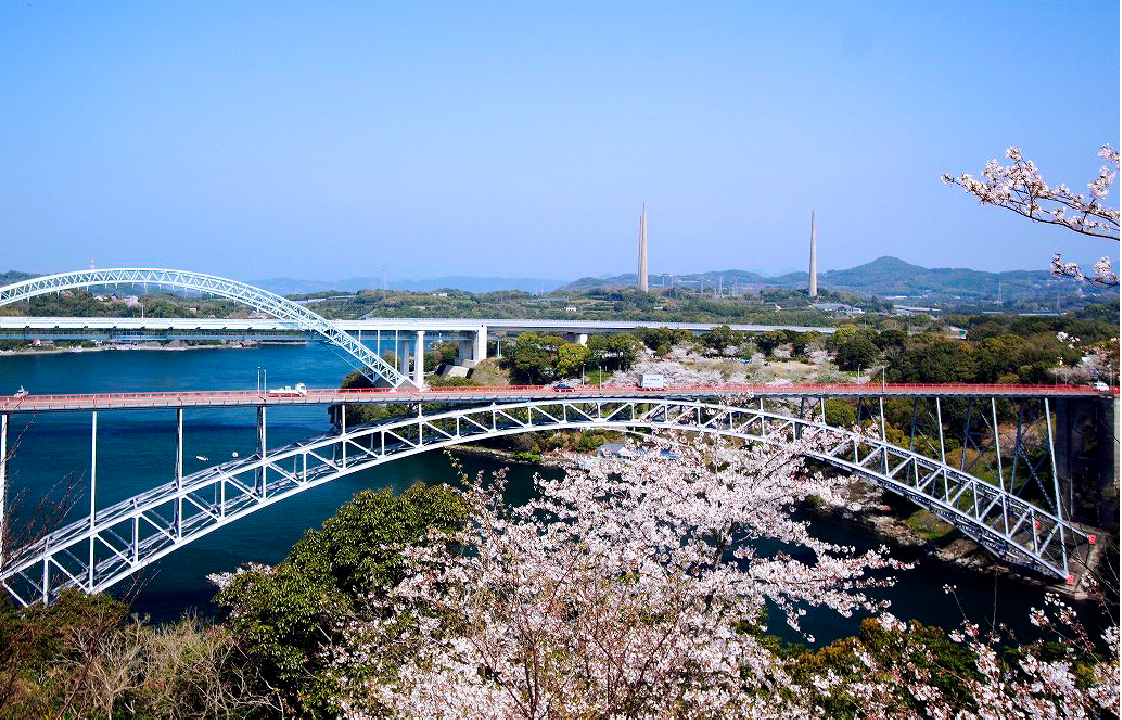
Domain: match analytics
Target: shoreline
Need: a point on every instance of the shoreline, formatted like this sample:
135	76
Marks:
131	347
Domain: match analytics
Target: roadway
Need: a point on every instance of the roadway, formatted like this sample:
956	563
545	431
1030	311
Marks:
388	325
483	394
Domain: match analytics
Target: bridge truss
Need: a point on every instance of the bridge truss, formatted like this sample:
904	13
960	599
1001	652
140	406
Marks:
263	301
115	542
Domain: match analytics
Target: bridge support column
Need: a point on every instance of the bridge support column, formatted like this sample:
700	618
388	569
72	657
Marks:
577	337
3	479
93	495
179	471
480	351
474	349
419	361
262	446
1085	458
403	360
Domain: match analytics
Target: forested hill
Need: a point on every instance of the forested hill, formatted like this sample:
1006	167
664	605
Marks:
887	275
13	276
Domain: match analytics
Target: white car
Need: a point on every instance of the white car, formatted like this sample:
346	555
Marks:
1101	386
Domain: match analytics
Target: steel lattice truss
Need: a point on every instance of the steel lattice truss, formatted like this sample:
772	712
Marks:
261	300
94	553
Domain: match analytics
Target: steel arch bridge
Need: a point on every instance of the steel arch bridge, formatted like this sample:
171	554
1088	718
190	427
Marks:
117	541
261	300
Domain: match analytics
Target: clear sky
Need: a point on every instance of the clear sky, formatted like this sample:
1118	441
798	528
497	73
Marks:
323	139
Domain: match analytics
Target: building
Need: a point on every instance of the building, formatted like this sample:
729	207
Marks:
913	309
838	308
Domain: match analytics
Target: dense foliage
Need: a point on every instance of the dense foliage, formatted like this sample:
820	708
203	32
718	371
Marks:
85	657
287	617
536	357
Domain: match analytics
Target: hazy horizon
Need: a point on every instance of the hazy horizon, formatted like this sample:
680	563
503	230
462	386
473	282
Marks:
502	140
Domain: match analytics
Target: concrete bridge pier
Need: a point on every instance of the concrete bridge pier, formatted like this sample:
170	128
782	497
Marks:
1086	458
473	349
419	360
580	338
403	359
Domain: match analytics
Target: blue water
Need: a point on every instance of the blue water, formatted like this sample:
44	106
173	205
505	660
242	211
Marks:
136	451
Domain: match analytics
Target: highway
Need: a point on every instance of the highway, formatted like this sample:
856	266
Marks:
368	325
32	403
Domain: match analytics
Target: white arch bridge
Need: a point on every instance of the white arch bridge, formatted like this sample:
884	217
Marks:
263	301
115	542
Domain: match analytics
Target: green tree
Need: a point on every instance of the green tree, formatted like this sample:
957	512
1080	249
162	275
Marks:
285	617
531	357
618	351
799	341
769	341
860	352
719	338
892	340
571	357
840	413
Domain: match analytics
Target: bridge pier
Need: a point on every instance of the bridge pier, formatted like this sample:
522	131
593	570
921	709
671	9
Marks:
473	349
179	470
1086	458
3	480
580	338
419	361
93	495
262	448
403	359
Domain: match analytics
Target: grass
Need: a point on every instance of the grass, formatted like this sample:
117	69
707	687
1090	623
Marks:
488	372
928	526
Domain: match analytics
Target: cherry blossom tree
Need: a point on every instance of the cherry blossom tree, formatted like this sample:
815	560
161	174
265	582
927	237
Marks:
636	588
627	588
1071	678
1021	188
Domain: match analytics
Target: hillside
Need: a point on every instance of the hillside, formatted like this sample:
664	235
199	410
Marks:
467	283
13	276
887	275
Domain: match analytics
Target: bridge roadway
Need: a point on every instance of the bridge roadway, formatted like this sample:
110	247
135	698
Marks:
368	325
508	393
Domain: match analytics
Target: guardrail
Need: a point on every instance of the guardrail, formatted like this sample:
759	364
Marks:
122	400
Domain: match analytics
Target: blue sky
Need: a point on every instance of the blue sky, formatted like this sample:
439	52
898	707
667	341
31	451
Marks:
321	140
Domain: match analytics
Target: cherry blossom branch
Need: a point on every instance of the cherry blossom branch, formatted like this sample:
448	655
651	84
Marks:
1020	188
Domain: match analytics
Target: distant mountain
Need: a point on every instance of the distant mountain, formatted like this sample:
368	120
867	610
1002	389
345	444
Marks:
291	286
887	275
14	276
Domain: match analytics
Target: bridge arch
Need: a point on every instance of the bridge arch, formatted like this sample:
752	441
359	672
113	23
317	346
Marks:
256	298
124	538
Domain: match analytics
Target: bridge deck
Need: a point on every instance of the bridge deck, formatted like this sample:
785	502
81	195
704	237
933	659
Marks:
477	394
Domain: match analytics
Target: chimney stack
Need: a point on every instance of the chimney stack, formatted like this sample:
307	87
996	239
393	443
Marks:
812	282
643	287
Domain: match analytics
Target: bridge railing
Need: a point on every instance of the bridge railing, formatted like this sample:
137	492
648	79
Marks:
317	396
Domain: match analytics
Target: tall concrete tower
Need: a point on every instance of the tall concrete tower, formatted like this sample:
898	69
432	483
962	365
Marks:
643	287
812	282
